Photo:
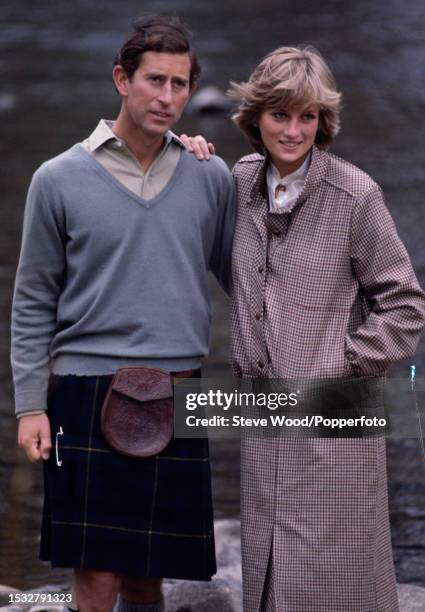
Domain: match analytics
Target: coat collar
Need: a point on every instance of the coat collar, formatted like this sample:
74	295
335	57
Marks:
315	175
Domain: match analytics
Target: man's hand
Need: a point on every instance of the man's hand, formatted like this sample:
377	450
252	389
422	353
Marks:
198	146
34	436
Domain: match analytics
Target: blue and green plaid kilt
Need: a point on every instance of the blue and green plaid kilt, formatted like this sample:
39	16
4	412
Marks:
107	512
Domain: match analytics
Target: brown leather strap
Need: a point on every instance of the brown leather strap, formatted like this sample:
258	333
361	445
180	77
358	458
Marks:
183	374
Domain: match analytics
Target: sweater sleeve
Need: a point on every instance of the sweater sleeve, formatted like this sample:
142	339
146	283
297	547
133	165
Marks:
221	256
37	288
392	330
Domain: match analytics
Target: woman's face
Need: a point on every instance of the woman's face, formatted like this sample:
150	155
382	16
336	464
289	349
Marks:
288	135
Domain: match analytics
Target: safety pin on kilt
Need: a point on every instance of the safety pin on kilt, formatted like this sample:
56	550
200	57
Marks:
59	433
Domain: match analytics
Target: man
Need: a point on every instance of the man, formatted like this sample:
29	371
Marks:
119	234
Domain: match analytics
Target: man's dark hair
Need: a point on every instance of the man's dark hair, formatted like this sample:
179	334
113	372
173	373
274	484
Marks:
162	34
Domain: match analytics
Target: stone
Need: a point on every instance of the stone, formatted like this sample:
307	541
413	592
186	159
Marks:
209	99
51	589
5	591
223	593
411	598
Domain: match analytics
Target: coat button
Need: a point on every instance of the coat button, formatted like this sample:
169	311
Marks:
277	233
258	316
261	269
260	364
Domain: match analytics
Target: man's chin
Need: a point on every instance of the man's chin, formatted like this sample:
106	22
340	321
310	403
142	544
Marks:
156	131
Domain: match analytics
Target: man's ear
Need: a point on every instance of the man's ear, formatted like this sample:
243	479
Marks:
193	88
121	79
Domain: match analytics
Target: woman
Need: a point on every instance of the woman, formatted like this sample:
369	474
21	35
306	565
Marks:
323	288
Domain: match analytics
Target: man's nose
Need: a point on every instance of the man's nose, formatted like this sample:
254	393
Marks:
165	95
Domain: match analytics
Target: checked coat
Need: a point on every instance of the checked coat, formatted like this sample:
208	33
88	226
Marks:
323	291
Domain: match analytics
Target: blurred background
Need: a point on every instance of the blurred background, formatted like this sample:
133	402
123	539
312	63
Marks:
55	65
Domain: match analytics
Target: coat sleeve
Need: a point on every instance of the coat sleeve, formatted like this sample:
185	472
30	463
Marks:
392	329
37	289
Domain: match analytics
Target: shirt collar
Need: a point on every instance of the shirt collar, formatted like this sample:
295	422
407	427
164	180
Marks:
174	138
103	133
299	174
316	173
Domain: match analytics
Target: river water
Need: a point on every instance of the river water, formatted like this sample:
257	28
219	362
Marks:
55	63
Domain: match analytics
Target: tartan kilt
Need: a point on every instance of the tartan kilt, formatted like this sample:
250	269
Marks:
107	512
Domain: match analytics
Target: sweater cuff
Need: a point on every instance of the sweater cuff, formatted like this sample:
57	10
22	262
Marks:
29	413
30	401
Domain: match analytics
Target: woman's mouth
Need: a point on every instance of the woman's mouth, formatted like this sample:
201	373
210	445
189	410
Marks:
290	145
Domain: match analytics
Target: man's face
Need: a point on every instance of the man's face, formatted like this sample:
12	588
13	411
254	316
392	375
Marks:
154	98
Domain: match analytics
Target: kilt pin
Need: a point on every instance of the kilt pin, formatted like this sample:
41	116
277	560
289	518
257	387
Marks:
324	291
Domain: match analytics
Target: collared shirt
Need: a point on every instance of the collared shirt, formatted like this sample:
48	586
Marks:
283	192
114	155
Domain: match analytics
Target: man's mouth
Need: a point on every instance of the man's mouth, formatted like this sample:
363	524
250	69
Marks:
161	115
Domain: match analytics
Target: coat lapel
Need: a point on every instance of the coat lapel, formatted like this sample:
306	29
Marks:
257	205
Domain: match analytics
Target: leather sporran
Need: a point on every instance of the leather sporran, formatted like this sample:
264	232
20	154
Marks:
137	414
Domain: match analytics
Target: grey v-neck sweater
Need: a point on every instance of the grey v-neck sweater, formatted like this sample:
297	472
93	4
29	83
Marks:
108	279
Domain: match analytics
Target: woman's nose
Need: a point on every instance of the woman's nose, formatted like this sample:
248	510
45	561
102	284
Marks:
292	128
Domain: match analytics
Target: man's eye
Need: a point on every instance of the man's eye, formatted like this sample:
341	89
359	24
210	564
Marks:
179	84
155	78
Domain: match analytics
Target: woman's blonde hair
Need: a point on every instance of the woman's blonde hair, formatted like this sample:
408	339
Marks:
288	78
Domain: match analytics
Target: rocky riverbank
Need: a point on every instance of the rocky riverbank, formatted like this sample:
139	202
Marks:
222	593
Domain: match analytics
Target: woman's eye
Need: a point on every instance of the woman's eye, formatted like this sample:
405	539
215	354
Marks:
279	114
309	116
